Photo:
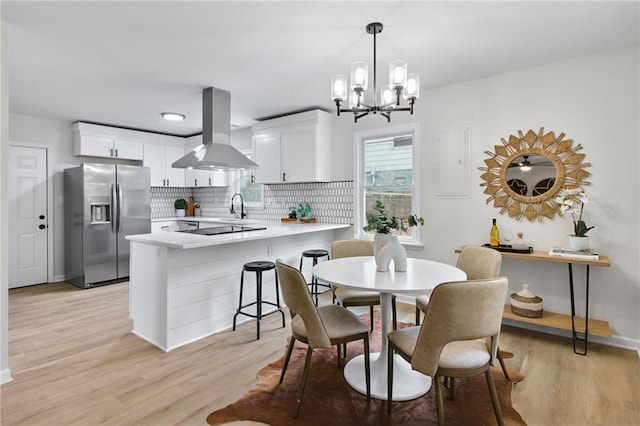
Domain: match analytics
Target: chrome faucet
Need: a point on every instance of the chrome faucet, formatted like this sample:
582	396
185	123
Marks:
233	211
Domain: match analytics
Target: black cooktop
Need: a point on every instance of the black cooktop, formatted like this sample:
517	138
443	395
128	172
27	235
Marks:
228	229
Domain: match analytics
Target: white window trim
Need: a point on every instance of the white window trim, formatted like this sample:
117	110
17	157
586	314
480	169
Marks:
236	183
358	155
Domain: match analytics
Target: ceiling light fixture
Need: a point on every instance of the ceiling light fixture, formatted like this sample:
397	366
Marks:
525	165
173	116
400	83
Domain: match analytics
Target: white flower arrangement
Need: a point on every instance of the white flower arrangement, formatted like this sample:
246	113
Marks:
568	199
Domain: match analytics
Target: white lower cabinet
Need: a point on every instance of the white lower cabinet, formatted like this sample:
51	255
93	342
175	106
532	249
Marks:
165	225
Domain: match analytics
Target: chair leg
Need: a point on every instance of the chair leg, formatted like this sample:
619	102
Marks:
494	397
292	341
394	312
502	364
452	387
371	315
278	298
339	351
439	402
259	303
303	380
417	316
367	366
240	302
389	377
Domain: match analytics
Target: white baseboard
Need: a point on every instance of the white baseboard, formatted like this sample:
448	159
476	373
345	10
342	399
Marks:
59	278
5	376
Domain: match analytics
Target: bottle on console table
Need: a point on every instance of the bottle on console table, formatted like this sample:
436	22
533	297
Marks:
494	235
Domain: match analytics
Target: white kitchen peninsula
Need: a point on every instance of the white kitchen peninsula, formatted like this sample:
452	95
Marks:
184	287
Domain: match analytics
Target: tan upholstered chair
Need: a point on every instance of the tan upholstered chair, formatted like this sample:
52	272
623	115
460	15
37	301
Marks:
318	326
458	338
351	297
478	263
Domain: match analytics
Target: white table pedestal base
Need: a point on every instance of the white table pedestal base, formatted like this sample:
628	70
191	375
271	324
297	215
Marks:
407	383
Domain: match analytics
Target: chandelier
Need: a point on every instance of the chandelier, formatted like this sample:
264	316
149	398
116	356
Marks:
400	84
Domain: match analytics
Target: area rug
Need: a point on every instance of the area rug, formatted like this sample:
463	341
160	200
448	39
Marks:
328	399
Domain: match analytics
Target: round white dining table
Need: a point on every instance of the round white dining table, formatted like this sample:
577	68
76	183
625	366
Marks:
360	273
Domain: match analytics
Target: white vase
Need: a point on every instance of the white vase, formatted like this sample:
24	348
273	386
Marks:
387	247
180	212
579	243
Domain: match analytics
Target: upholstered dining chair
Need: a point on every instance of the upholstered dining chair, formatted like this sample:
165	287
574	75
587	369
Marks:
351	297
478	263
458	337
317	326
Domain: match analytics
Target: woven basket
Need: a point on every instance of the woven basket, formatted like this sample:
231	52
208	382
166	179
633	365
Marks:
526	304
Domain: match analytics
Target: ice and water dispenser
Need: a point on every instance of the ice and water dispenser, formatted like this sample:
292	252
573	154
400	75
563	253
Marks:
100	213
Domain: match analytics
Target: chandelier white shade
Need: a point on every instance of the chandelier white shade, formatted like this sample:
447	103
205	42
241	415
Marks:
400	84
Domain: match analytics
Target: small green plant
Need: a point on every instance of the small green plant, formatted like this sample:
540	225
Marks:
382	223
180	204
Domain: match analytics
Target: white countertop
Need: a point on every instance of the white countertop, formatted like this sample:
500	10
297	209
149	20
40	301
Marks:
185	240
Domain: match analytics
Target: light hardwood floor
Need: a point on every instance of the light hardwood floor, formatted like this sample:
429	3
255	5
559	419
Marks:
74	361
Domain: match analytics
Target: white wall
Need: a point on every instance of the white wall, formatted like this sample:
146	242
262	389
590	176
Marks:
5	372
594	100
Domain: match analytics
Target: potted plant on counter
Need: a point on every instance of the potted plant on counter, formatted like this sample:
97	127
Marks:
181	206
385	243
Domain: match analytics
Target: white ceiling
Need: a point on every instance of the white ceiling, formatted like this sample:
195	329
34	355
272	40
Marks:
123	63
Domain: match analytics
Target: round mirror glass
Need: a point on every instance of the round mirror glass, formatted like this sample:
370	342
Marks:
530	174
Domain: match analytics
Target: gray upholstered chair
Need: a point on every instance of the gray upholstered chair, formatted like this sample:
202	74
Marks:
458	338
318	326
351	297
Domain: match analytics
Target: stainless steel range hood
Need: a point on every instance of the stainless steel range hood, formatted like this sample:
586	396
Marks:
216	151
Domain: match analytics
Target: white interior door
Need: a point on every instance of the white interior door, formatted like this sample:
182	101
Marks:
28	216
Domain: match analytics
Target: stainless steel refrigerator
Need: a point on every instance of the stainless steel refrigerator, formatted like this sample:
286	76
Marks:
103	204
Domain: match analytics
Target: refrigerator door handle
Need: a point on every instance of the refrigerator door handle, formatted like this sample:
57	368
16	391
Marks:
119	220
112	217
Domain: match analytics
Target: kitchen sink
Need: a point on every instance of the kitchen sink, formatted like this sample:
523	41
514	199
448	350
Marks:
229	229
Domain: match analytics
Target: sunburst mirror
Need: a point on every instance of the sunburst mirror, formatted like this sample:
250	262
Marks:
525	173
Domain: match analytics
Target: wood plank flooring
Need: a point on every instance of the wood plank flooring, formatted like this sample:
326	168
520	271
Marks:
74	361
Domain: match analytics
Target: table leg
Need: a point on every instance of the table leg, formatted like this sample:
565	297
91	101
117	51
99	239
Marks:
407	383
575	336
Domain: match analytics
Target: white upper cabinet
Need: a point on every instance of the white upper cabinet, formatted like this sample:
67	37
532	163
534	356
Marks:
159	157
195	178
294	148
104	141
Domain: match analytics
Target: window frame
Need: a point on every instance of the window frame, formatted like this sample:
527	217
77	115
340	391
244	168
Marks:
236	183
360	138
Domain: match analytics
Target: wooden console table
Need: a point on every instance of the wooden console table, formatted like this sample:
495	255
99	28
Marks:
578	326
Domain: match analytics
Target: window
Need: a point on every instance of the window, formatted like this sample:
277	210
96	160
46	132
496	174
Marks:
251	192
387	169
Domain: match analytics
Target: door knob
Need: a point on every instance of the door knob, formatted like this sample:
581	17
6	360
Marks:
41	216
41	226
